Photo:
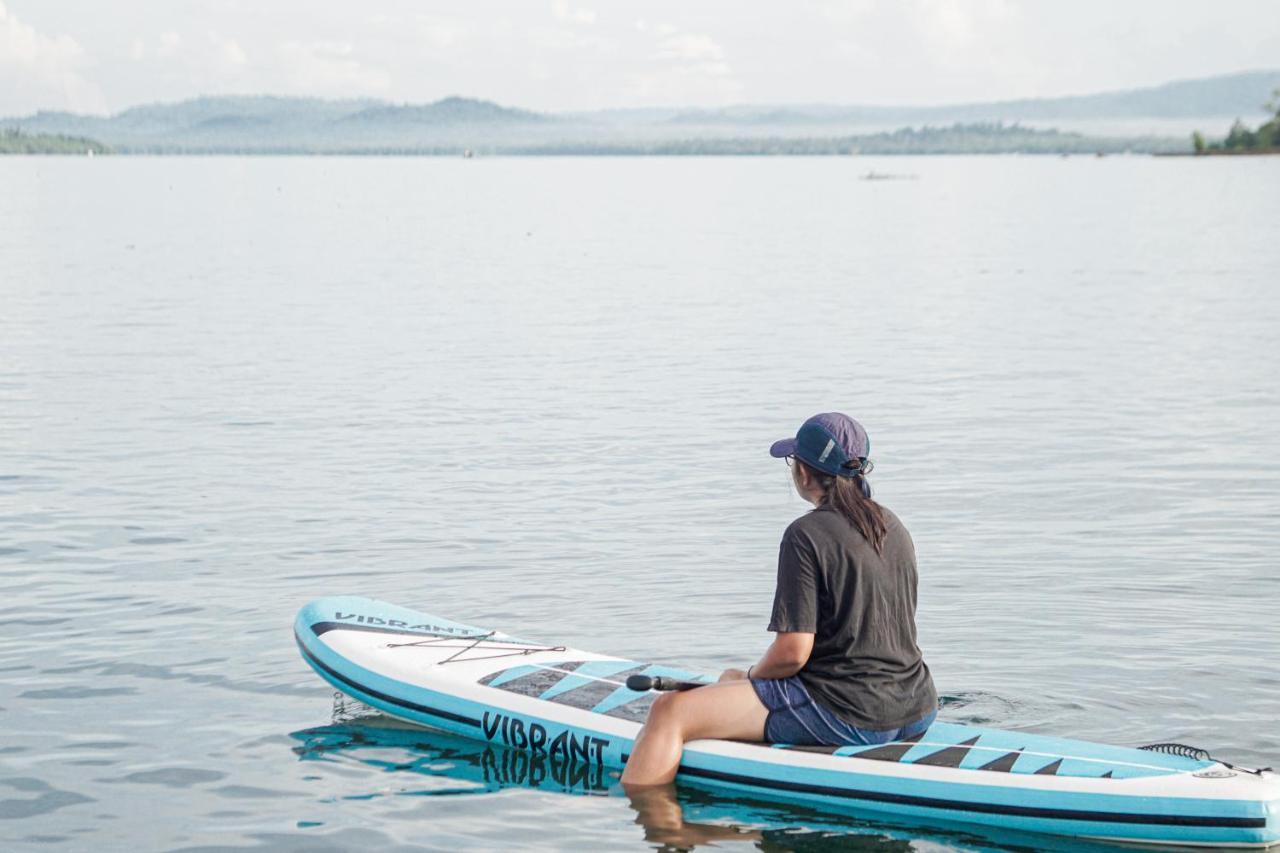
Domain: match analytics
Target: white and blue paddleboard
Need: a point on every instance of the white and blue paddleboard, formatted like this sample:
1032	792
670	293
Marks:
574	706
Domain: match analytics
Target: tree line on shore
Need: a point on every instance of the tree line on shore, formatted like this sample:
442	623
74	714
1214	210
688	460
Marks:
973	138
14	141
1242	140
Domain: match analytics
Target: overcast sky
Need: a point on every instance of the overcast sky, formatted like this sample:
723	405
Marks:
105	55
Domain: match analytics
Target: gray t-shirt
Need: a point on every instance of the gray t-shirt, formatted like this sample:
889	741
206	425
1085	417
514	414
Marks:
861	606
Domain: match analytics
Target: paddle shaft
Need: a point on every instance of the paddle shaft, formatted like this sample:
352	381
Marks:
641	683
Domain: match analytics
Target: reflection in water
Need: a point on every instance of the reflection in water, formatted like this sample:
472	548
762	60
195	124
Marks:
482	767
659	811
674	817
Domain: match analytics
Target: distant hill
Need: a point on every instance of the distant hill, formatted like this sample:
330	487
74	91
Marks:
266	124
450	111
165	119
1228	95
271	124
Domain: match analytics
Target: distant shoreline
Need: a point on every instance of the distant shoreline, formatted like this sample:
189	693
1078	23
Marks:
613	155
512	155
1219	152
956	139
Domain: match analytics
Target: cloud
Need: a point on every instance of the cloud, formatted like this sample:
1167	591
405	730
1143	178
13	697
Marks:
684	67
929	51
170	44
208	63
579	54
325	67
228	55
562	10
690	48
440	33
41	72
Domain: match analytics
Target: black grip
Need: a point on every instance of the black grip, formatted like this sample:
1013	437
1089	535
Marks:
641	683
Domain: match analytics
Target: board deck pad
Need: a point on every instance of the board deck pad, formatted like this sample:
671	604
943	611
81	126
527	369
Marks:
599	686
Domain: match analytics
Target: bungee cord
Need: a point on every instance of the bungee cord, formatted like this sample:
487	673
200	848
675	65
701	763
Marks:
505	648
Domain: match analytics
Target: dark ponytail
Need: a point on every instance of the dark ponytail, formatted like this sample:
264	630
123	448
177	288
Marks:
851	497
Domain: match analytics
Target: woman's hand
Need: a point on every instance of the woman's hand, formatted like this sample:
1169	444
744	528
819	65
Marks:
733	675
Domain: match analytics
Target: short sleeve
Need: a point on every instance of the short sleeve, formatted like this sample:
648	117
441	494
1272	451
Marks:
795	601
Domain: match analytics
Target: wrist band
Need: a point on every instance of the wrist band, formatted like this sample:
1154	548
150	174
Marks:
753	666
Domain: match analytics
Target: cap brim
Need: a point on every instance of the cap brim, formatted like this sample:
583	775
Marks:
785	447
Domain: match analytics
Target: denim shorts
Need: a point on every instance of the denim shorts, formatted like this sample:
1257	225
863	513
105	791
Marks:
795	719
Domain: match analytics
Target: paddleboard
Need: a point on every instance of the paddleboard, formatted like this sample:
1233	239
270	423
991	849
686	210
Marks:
574	707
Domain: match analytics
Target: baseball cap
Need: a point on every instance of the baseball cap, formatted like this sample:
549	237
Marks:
832	442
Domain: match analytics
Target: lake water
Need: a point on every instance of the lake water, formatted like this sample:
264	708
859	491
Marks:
537	395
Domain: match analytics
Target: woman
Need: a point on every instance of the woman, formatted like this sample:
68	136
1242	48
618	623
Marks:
844	667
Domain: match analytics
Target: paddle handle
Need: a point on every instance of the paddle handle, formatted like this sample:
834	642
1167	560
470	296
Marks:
641	683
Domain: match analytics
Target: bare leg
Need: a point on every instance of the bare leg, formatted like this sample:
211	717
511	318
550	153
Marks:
729	710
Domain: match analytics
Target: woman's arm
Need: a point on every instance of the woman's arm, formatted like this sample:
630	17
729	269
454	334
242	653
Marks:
786	655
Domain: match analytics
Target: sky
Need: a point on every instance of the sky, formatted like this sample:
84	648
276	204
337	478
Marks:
99	56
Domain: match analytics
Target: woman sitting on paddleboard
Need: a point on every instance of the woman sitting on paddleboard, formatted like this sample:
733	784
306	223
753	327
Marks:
844	667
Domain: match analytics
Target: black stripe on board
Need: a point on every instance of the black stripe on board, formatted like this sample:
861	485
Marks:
819	748
951	756
322	628
890	751
983	808
542	677
377	694
637	710
1003	764
594	692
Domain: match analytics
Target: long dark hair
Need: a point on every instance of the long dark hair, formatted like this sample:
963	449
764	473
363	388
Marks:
851	497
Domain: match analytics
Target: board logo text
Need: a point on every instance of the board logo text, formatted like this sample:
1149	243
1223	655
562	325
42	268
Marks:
515	732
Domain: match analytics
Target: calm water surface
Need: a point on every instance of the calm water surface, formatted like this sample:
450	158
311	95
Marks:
537	394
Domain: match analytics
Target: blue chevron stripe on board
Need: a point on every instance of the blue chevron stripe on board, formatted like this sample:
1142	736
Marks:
585	674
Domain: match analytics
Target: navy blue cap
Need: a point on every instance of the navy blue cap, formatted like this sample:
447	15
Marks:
832	443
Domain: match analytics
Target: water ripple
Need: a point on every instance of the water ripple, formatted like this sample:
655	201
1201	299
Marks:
423	381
